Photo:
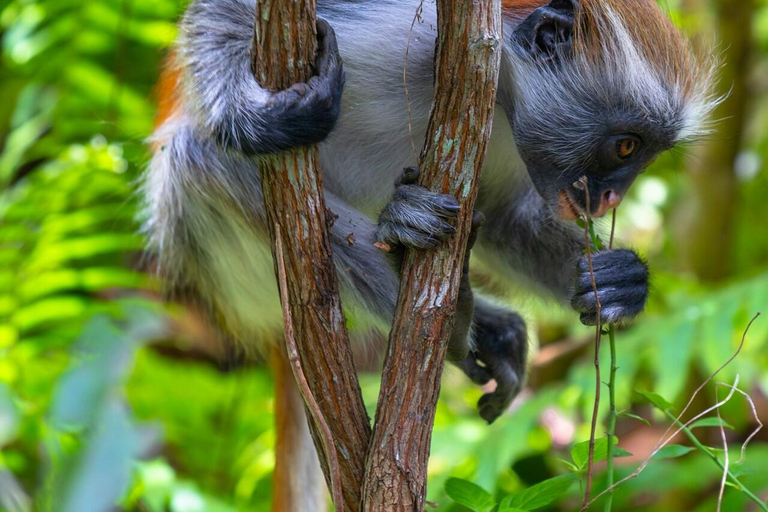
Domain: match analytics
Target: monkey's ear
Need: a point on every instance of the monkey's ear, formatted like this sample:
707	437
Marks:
547	32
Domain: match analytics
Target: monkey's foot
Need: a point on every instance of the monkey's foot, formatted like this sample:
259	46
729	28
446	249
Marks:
416	217
622	286
501	348
307	112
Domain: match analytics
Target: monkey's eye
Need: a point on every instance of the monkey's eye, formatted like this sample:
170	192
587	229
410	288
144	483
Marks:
626	147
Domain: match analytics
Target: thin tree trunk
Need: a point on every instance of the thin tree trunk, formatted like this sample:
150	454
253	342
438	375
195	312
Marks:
466	73
284	54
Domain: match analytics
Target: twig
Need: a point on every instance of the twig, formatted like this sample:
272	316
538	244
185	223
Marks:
727	464
734	479
612	416
598	337
757	419
613	229
666	438
301	379
416	17
711	378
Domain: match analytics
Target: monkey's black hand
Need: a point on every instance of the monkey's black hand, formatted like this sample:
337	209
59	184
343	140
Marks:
622	286
307	112
416	217
501	348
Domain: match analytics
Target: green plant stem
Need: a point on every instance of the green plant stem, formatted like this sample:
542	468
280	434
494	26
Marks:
704	449
612	416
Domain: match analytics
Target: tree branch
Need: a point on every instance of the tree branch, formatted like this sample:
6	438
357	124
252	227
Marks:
284	53
467	63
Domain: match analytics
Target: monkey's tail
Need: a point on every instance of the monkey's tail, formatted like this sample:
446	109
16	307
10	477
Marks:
298	482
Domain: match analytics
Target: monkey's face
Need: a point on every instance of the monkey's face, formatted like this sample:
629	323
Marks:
611	153
587	98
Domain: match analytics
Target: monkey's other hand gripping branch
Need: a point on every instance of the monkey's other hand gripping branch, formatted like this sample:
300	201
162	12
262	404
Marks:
418	218
305	113
622	279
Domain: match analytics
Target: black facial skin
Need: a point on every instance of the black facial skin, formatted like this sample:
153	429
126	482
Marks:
605	169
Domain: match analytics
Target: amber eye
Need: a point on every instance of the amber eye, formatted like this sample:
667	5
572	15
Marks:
625	147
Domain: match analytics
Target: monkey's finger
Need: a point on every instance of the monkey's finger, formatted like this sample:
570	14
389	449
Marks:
493	405
478	219
403	214
409	237
617	259
410	176
608	277
616	297
588	319
423	199
480	375
327	47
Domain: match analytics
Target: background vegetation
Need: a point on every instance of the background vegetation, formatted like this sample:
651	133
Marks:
106	402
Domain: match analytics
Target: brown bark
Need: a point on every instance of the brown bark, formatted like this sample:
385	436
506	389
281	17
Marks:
707	235
284	54
467	62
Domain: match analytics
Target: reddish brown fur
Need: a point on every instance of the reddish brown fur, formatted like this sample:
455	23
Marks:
167	91
520	9
655	35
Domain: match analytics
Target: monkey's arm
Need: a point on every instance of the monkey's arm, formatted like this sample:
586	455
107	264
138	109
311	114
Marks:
526	235
223	97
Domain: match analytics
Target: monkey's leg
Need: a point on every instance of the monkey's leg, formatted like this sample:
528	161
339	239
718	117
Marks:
500	352
298	483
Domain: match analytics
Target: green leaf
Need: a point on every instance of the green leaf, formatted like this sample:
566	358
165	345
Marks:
470	495
580	451
657	400
673	451
634	417
711	422
539	495
570	465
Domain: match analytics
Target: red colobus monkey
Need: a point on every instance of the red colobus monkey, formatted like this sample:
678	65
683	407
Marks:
594	88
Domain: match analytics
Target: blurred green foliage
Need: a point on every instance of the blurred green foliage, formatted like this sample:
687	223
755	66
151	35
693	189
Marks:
94	415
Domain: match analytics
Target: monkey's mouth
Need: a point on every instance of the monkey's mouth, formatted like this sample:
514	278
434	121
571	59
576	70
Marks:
567	209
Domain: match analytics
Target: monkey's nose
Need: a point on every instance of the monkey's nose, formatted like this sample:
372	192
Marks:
610	199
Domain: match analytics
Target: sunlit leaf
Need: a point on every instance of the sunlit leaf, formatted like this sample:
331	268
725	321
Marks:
470	495
673	451
711	422
580	451
541	494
